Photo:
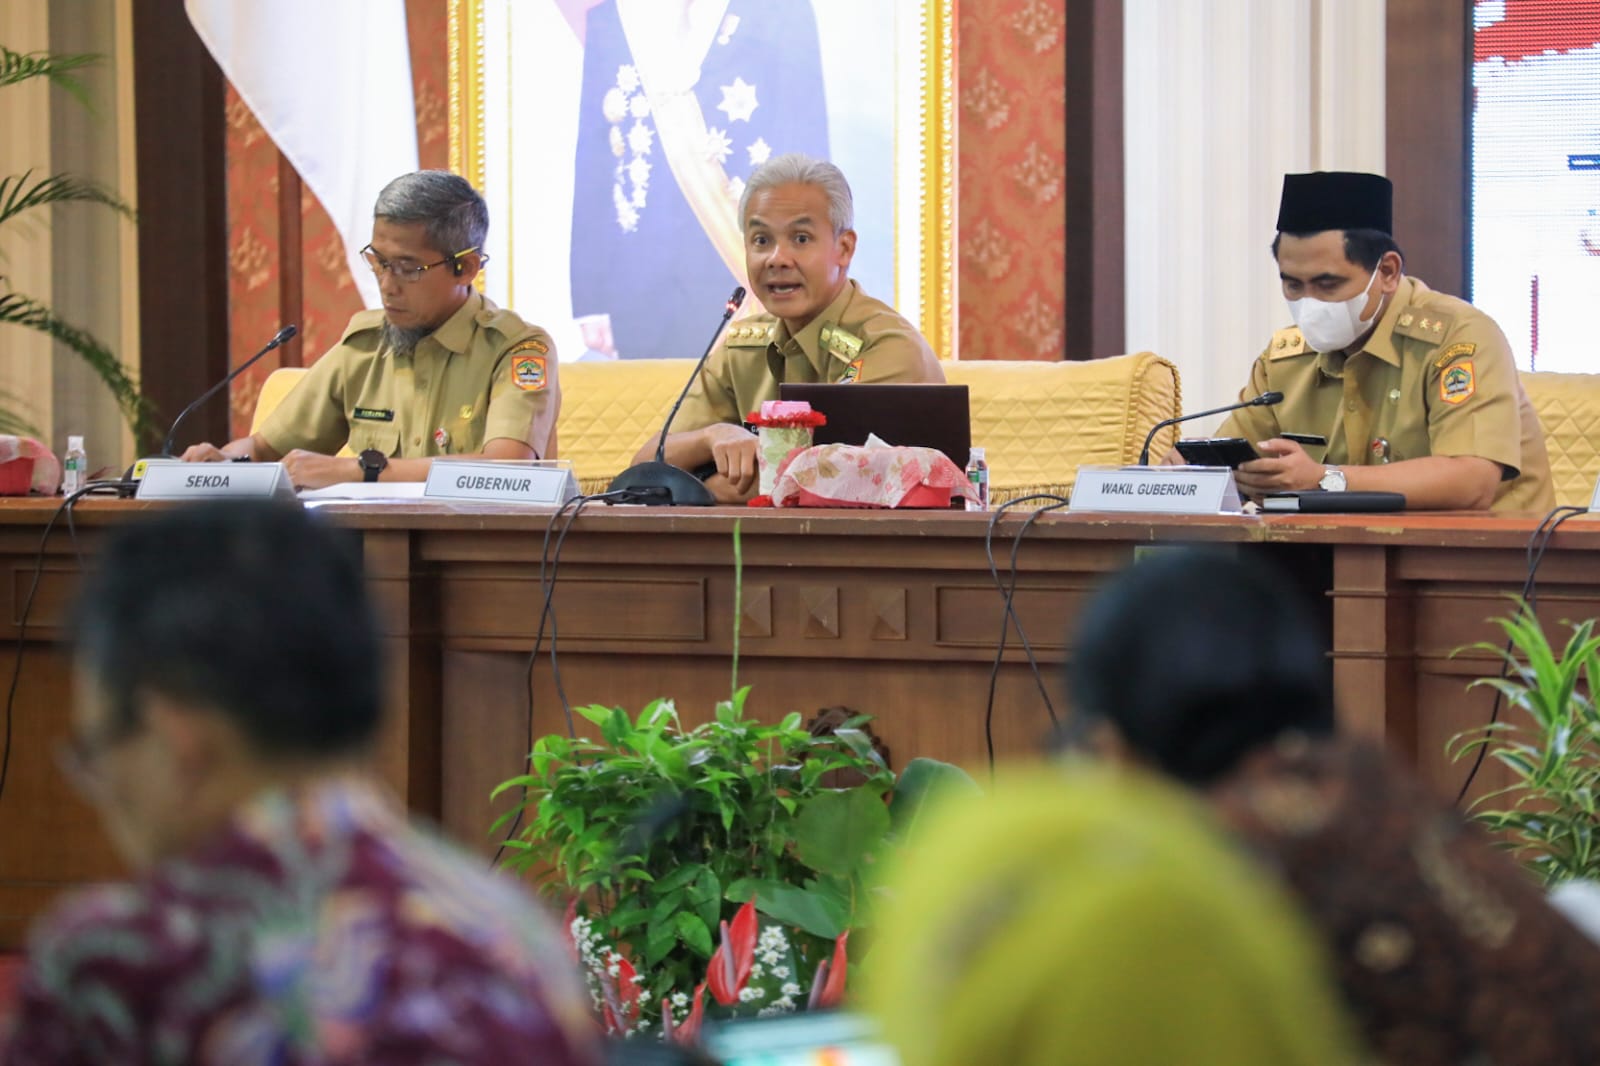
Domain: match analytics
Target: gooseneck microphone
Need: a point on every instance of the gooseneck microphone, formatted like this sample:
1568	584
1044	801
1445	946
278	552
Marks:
658	483
279	338
1266	399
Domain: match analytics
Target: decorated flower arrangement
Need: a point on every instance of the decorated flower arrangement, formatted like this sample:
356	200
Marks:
712	871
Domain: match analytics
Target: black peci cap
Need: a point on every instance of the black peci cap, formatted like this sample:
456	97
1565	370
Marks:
1336	199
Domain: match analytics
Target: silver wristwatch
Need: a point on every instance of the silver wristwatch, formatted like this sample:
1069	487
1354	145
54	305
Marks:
1333	480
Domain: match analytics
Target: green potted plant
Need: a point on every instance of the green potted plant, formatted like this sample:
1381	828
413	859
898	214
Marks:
25	192
1550	814
710	870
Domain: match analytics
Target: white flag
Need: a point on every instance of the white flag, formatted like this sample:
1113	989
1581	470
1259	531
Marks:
330	82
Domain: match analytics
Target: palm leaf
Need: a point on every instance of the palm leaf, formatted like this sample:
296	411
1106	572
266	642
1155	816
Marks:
11	421
23	66
19	310
17	195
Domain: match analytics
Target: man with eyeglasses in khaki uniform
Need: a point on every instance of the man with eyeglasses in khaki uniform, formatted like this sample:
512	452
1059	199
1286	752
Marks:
440	370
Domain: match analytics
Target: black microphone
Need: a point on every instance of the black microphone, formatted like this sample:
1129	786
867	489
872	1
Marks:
658	483
1266	399
278	338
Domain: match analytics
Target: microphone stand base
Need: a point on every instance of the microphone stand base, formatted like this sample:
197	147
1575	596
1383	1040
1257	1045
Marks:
661	485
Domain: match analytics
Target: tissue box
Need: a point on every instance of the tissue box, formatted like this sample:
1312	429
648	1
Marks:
16	476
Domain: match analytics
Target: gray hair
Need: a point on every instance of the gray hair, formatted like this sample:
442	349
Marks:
797	169
452	213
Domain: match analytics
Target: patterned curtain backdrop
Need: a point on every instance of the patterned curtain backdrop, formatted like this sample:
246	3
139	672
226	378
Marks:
254	275
1011	131
1012	217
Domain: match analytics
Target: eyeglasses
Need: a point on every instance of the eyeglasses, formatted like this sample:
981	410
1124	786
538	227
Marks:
411	272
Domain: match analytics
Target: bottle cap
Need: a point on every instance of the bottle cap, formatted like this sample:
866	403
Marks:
74	444
975	454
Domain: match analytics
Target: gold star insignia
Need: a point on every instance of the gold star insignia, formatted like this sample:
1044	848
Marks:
1406	319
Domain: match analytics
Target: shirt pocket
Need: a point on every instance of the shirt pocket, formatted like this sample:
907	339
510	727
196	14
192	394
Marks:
379	436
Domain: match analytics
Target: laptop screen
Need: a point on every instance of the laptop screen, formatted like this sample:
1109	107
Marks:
917	416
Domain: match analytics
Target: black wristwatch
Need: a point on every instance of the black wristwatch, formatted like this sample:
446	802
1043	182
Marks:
372	464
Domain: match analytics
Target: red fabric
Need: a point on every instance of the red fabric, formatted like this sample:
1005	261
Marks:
10	974
1011	121
1533	27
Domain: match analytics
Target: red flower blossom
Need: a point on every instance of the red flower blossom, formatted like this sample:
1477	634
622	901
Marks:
827	985
735	955
621	997
689	1031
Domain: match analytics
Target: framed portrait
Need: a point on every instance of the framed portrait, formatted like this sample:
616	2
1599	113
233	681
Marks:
613	139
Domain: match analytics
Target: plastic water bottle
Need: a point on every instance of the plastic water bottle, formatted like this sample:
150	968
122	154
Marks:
978	474
74	467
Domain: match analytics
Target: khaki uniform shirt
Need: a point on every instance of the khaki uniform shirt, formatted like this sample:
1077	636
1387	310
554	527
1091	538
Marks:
856	338
483	375
1435	378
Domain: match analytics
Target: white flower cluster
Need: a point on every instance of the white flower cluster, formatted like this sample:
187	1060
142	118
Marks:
772	946
771	949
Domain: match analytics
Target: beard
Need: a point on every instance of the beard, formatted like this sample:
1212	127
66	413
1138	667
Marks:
402	341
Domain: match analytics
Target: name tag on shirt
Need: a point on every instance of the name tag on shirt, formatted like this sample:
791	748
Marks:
537	481
372	414
1155	490
168	479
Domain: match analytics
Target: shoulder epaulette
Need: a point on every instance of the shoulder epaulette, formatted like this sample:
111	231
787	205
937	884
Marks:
840	341
749	335
1418	324
361	322
1286	343
503	321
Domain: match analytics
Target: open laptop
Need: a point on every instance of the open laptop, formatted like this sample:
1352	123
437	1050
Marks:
917	416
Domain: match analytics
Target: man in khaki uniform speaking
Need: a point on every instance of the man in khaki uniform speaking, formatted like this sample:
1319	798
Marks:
796	215
1416	391
440	370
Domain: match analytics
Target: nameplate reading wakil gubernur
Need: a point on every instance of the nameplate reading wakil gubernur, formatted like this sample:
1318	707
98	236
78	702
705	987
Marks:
1155	489
548	482
169	479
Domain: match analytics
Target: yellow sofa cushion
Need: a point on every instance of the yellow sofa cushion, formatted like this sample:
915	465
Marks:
1037	422
609	408
1569	410
279	383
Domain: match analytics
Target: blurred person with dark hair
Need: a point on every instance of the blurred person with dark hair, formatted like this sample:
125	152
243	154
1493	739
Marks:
228	698
1448	952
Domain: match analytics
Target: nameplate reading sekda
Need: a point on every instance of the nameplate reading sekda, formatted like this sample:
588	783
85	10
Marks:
537	482
1155	489
172	480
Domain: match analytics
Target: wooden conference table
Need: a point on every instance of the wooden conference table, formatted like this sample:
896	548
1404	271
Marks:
892	615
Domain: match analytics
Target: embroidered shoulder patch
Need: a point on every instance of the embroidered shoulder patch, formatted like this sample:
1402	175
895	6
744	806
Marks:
1454	352
527	372
532	344
1458	383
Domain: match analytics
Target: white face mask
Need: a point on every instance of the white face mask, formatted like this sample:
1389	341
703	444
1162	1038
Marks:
1332	326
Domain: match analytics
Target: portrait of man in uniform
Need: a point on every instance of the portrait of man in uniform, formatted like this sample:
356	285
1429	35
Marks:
681	101
616	136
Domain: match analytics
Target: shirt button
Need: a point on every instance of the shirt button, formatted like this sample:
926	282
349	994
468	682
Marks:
416	441
1351	406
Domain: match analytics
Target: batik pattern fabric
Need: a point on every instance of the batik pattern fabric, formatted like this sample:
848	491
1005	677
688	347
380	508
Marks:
319	927
1447	951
